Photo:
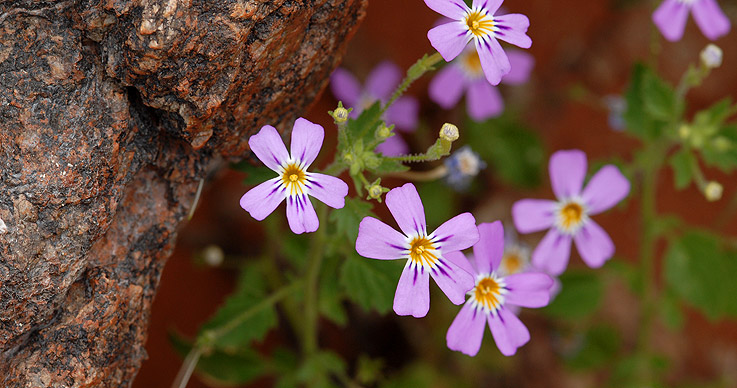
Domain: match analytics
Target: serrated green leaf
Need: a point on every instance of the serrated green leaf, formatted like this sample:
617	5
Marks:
250	291
681	162
227	369
698	270
349	217
370	283
580	295
513	151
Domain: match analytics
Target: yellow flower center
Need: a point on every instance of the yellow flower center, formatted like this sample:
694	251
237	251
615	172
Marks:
294	178
422	251
480	24
472	62
488	293
571	215
512	263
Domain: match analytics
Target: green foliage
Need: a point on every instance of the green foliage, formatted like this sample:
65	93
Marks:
579	297
317	369
682	163
651	104
349	217
700	271
256	173
513	151
713	137
599	347
370	283
227	368
438	198
330	299
251	289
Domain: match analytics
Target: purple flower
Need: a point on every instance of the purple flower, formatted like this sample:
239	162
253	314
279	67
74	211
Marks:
671	16
569	217
492	296
426	254
483	27
380	85
464	74
293	182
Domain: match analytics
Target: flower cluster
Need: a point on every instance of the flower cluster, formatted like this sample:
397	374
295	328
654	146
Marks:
671	17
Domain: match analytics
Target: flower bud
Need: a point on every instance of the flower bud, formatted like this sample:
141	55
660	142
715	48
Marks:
384	132
713	191
684	131
711	56
213	255
449	132
340	114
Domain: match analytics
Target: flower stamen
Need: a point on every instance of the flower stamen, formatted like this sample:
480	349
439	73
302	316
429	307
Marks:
294	179
571	215
479	23
422	252
489	292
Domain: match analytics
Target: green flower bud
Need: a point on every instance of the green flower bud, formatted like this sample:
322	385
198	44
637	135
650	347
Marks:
449	132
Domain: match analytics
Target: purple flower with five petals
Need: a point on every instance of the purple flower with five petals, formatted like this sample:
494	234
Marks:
493	295
426	254
569	217
671	17
380	85
479	24
464	74
293	183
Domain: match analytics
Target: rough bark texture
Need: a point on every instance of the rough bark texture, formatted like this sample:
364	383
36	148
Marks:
111	111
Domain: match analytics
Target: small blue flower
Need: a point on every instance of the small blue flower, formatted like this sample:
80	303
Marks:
463	165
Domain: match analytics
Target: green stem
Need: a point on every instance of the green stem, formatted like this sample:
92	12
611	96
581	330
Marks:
421	176
185	372
312	275
422	66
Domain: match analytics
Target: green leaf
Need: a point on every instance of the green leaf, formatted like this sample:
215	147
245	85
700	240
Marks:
250	291
386	166
514	151
370	283
330	299
317	369
670	311
349	217
580	295
225	368
438	197
698	270
256	173
651	103
681	162
600	347
363	127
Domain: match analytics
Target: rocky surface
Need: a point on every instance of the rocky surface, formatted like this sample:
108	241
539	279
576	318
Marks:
111	112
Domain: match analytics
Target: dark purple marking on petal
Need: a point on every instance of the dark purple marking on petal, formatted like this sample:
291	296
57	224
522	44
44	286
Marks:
486	5
317	184
499	33
434	272
445	273
459	6
273	191
503	27
462	33
275	158
474	312
414	279
395	246
444	239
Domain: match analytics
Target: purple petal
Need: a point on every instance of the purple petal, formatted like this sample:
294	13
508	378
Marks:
531	289
345	87
490	5
522	64
269	147
406	206
467	330
493	59
403	113
605	189
670	18
453	280
413	292
449	39
711	19
327	189
594	244
377	240
382	80
552	253
532	215
460	260
483	100
301	215
261	200
567	171
393	146
306	141
453	9
508	331
489	250
446	89
513	28
458	233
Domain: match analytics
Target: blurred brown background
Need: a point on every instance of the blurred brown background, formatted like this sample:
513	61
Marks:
575	42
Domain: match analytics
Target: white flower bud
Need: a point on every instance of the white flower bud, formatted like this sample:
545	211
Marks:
213	255
713	191
711	56
449	132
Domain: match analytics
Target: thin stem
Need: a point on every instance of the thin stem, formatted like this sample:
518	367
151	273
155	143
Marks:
311	287
416	71
421	176
185	372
